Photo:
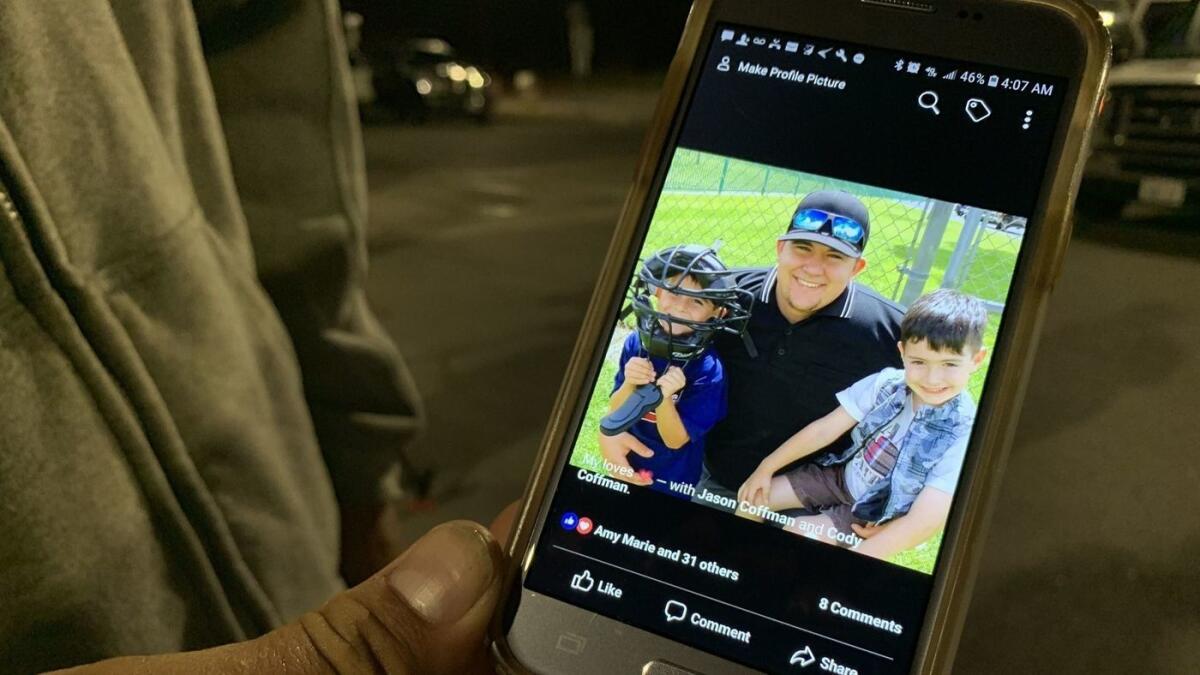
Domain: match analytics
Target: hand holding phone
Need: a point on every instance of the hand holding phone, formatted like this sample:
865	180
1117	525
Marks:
848	218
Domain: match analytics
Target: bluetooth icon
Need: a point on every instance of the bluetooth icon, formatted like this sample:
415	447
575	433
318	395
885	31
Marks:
899	65
569	521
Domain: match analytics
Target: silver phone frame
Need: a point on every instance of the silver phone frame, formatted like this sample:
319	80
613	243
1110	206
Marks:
963	537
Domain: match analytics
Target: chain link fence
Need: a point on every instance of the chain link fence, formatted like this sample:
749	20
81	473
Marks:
916	244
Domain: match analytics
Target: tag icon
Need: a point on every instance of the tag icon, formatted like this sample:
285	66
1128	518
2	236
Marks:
978	110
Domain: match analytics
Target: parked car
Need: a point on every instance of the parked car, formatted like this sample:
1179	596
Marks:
1004	222
994	219
425	77
1147	141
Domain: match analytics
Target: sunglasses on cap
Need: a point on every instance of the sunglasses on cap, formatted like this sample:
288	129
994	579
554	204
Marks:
839	227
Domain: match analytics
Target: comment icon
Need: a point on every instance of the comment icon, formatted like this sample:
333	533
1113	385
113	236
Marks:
675	610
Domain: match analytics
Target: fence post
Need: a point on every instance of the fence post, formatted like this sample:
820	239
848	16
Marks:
918	274
724	170
956	268
904	268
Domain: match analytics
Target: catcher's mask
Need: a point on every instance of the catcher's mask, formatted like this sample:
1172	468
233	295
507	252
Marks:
668	269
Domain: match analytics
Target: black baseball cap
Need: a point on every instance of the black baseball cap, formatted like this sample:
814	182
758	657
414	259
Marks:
835	203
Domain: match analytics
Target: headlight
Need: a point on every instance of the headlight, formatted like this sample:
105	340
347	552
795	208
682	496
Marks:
475	78
457	73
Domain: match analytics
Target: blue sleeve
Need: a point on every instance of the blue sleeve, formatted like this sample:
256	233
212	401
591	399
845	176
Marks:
628	350
703	402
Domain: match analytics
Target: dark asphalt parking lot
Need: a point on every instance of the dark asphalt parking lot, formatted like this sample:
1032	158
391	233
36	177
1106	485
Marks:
484	245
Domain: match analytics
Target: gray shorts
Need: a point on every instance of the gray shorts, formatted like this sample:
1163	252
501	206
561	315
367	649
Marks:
823	488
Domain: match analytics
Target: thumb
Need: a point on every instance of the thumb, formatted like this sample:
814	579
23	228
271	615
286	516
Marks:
639	447
427	612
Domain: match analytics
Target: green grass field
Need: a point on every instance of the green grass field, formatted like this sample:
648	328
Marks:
746	226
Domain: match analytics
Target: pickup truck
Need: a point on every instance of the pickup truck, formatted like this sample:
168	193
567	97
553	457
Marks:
1146	148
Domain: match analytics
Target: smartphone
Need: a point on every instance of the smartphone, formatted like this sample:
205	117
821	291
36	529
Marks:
777	438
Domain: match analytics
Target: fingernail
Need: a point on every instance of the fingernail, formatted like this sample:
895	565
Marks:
446	572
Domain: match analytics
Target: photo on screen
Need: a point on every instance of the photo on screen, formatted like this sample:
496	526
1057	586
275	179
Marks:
753	279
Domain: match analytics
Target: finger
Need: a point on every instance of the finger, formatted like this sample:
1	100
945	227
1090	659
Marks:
425	613
628	475
619	467
502	525
639	448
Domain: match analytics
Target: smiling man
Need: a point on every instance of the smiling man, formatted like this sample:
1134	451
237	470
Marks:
814	330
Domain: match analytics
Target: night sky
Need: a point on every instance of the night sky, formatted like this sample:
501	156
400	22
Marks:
511	34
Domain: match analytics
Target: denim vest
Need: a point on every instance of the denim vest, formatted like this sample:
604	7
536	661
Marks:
932	433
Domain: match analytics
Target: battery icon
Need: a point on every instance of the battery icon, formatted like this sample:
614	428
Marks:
994	81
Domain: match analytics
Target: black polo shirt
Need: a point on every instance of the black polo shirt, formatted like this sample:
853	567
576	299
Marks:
797	373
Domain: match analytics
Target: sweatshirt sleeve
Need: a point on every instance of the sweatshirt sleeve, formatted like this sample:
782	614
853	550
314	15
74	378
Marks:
297	160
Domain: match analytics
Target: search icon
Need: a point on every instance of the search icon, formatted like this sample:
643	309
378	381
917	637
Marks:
929	101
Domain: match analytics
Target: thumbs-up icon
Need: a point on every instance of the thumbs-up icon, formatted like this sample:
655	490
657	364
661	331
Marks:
583	581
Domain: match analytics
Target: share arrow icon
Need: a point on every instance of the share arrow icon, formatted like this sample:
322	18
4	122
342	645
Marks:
802	656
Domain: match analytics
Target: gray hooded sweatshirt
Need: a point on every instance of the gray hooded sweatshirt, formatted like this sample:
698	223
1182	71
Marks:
190	378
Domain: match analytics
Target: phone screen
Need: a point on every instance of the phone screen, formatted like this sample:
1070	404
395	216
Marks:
779	423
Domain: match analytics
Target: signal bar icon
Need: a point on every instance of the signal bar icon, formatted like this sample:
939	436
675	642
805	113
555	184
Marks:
950	75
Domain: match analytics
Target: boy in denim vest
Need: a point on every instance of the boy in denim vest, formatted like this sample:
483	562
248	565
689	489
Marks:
910	432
